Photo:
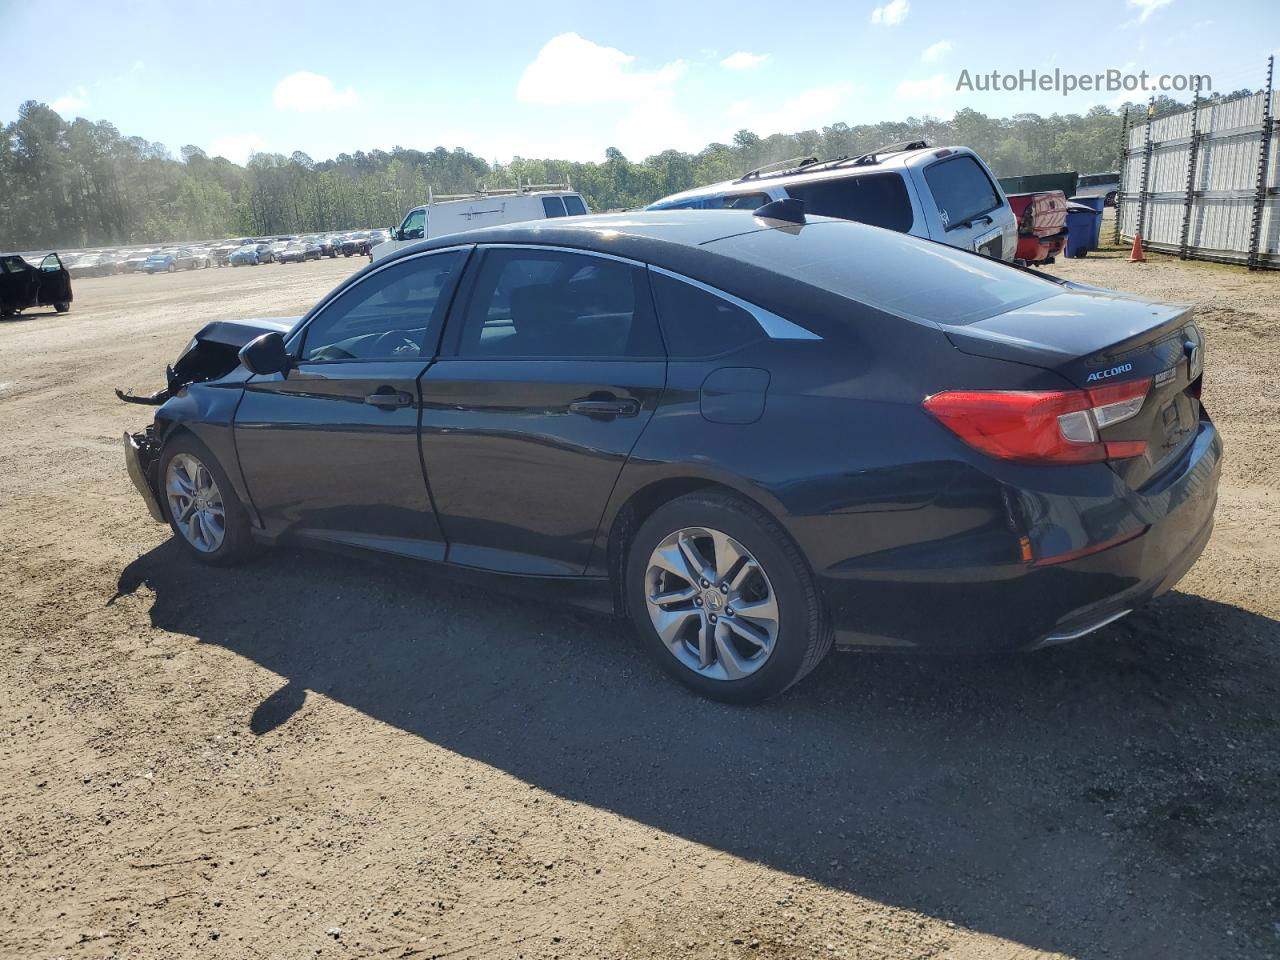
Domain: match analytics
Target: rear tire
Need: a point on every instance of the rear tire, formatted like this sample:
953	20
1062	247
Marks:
753	562
193	482
62	307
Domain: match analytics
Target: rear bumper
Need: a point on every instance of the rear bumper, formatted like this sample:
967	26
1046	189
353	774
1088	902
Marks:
970	592
1035	249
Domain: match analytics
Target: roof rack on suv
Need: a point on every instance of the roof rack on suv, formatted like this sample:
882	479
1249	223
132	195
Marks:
769	167
481	191
813	164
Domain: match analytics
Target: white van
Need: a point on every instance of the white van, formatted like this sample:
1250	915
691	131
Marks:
454	213
945	194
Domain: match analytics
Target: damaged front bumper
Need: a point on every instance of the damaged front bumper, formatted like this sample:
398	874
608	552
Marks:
141	453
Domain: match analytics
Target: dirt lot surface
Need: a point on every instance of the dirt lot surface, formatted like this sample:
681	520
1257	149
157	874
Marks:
317	755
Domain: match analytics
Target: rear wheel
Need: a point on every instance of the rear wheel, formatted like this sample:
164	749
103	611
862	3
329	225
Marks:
205	514
172	268
62	307
722	596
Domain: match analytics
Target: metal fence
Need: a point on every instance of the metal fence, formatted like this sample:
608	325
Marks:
1205	183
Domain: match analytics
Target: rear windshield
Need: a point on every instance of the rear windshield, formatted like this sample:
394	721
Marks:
961	189
896	273
879	199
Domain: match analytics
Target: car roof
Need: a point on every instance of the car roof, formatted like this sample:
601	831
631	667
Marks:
624	234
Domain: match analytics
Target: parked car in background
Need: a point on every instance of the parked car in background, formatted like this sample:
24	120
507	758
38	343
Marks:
945	194
298	251
162	262
1105	185
200	259
244	256
266	251
354	243
751	437
24	285
1042	224
92	265
456	213
135	261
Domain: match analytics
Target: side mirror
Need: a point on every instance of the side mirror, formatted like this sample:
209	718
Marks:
265	354
397	233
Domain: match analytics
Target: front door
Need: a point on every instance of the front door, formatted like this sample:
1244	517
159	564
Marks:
550	372
329	450
55	282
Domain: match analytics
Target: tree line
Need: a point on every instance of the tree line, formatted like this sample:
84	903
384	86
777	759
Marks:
83	183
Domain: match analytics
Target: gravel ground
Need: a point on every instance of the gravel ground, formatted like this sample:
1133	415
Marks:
320	755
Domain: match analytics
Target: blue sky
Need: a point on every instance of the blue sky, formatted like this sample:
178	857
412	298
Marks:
570	79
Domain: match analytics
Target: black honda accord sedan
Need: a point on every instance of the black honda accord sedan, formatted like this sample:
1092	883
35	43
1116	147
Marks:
753	437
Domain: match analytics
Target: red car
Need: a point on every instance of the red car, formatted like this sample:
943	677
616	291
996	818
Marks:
1042	224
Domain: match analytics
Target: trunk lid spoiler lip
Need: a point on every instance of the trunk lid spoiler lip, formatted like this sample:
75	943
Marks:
1075	327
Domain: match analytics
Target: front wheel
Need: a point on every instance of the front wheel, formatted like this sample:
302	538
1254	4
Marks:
722	596
205	514
63	306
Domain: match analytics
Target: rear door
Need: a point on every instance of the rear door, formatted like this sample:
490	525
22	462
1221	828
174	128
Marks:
551	369
329	450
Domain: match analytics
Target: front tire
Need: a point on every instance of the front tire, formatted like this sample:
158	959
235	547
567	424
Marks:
723	598
63	306
205	514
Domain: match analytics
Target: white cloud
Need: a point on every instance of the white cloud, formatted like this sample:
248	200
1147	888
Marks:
71	102
571	69
311	93
743	60
936	51
1148	7
934	87
810	109
236	147
895	11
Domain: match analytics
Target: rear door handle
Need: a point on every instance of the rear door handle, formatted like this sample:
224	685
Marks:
389	399
594	407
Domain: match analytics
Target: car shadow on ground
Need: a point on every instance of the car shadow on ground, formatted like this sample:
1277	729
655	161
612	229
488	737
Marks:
1109	798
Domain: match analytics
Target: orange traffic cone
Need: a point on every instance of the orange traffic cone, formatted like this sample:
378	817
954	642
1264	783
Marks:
1135	255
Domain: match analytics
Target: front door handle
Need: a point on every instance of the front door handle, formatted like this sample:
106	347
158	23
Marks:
389	399
601	407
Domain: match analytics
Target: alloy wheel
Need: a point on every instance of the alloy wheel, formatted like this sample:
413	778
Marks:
195	503
711	603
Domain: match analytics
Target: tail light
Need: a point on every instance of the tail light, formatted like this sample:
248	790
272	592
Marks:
1043	426
1027	222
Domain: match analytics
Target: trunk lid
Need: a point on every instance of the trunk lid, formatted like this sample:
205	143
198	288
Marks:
1093	338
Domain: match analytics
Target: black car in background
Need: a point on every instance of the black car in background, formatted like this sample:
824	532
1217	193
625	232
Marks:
751	434
23	285
298	251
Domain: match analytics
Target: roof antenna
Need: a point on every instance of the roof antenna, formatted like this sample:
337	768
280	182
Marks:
788	210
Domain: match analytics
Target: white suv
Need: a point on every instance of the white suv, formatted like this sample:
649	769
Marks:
945	194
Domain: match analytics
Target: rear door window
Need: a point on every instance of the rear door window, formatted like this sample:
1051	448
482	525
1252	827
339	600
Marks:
558	305
879	199
553	206
961	189
574	205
